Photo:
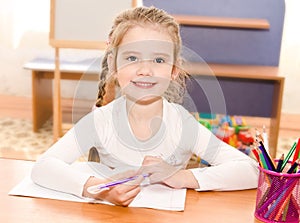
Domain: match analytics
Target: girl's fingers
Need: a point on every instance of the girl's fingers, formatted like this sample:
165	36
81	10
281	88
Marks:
125	193
131	194
129	197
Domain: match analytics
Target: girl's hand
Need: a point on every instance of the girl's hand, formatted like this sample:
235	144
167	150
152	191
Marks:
122	194
162	172
158	169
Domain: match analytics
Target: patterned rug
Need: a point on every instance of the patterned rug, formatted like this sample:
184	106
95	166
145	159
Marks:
20	142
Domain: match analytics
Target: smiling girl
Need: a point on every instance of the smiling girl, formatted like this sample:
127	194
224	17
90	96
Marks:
145	129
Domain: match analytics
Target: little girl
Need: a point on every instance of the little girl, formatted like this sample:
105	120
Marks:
144	130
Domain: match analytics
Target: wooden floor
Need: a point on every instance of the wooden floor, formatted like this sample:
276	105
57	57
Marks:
20	107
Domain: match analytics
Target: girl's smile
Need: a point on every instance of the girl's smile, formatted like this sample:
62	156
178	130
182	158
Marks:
143	84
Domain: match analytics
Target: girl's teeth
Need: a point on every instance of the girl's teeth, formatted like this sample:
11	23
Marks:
144	84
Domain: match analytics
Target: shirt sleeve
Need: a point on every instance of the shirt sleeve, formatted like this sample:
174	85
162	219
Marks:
53	169
230	169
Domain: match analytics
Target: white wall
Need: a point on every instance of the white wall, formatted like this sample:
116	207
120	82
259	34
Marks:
24	29
290	58
17	46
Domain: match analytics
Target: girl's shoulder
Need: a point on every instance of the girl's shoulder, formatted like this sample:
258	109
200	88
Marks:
176	109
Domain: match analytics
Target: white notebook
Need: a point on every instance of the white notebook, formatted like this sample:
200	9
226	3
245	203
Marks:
156	196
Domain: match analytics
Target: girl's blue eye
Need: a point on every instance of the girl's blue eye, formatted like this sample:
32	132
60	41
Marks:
159	60
132	58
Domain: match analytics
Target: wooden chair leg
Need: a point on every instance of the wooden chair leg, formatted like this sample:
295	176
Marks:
93	155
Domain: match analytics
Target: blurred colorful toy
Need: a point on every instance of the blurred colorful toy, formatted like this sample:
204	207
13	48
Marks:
237	133
231	129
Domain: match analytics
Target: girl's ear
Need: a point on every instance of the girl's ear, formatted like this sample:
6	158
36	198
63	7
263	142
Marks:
175	72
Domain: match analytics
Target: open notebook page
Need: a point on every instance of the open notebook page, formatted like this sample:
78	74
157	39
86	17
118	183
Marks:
156	196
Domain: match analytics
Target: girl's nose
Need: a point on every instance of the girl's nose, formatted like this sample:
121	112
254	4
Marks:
145	68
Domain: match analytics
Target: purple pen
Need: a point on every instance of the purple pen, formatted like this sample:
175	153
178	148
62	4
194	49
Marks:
101	187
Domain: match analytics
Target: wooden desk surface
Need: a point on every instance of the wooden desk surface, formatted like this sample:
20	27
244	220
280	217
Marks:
89	65
234	71
209	207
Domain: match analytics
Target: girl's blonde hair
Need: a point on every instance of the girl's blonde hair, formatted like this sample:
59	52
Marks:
136	17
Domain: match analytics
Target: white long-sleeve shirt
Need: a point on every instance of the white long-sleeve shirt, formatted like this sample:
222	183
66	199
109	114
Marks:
179	136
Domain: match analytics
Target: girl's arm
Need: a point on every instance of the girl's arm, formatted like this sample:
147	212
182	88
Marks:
230	169
53	169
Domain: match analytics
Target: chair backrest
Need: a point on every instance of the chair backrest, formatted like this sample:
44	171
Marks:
231	45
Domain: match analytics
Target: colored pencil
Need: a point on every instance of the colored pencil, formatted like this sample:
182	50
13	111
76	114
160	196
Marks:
268	159
285	161
297	152
293	167
279	164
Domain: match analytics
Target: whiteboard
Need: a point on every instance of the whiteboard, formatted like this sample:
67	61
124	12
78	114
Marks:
84	23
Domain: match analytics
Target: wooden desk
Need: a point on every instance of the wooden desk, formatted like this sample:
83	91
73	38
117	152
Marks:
42	72
248	91
233	207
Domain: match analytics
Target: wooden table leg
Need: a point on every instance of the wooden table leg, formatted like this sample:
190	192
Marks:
275	119
41	99
57	113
